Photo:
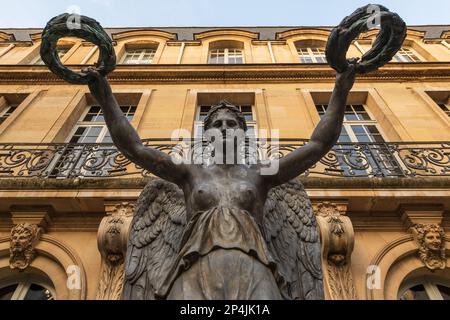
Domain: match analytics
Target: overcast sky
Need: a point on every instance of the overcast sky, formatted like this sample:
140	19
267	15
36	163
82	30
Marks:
163	13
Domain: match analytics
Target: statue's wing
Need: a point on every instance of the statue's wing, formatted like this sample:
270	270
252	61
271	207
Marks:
155	236
290	230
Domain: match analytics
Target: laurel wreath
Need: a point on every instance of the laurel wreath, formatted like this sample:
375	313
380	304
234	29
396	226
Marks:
388	41
85	28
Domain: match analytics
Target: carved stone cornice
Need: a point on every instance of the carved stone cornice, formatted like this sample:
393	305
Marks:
38	215
226	32
140	33
112	240
282	73
416	214
337	238
6	36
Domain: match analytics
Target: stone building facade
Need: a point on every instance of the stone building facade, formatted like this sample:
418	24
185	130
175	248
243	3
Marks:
382	196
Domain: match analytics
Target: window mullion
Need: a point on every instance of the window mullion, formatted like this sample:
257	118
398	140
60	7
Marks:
311	54
432	291
21	290
141	56
102	133
351	134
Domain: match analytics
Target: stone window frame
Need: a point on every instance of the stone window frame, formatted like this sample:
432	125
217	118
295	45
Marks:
369	97
71	43
227	48
407	53
141	39
62	52
66	122
27	99
433	97
414	41
147	49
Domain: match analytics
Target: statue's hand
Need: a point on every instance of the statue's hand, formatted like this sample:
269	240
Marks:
99	85
346	79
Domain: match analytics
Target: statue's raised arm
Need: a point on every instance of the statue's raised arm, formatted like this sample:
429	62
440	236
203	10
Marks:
389	40
324	136
123	134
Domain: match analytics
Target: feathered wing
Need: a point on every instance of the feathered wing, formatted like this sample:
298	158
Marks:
154	240
290	230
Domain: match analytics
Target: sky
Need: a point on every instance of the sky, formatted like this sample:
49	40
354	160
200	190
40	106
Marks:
167	13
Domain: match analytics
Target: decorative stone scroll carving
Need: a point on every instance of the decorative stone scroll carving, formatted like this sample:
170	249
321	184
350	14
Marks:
337	238
24	237
112	243
431	239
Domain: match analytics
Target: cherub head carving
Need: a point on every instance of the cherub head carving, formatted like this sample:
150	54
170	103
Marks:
431	239
23	239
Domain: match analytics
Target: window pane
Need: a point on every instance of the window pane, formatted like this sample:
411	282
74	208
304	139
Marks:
445	108
6	293
321	109
36	292
373	130
9	110
445	291
344	137
107	138
358	130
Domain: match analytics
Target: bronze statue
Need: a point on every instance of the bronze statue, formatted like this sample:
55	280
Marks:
225	231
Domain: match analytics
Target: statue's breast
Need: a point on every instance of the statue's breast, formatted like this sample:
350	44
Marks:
205	196
230	193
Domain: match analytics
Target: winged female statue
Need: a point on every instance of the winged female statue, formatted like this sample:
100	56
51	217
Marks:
222	230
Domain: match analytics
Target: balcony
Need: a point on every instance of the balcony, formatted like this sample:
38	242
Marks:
349	160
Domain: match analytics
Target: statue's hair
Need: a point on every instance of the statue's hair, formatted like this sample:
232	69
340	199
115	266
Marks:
229	107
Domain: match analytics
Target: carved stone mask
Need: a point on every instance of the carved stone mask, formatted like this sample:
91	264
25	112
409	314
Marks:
433	240
23	238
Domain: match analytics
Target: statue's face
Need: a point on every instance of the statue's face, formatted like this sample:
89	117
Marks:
227	123
433	240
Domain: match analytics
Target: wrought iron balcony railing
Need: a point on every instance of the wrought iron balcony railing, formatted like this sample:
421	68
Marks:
58	161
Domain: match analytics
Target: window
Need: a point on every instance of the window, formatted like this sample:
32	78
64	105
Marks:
90	129
139	56
361	151
29	287
406	55
358	125
427	289
311	55
62	51
445	107
7	112
247	112
226	56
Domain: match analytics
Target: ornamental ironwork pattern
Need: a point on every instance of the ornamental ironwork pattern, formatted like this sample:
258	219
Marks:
67	160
